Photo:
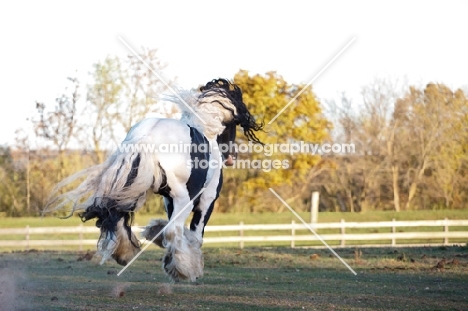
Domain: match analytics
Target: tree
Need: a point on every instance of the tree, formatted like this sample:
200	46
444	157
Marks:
303	121
59	126
13	196
377	130
411	143
437	120
122	93
103	101
358	182
142	88
345	179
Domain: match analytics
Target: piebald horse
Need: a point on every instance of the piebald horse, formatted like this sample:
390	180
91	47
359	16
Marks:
115	189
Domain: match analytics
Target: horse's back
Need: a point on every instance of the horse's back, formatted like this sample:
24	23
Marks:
158	130
177	149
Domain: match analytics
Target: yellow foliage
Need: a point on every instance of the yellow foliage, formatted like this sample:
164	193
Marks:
300	123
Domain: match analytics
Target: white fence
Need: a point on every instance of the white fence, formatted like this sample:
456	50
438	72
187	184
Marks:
241	234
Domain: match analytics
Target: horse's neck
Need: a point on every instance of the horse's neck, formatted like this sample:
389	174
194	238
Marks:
206	122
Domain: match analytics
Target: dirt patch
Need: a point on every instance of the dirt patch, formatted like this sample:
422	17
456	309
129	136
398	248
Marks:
88	256
119	290
11	281
253	278
165	289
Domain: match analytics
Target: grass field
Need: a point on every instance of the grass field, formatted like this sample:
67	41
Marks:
248	279
251	218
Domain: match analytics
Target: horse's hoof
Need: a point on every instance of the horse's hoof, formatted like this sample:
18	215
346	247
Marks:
153	229
119	260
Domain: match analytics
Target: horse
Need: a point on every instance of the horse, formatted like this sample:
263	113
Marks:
115	190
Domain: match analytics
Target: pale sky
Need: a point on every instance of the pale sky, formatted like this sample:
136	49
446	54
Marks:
44	42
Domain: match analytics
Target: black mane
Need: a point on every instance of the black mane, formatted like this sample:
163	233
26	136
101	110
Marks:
224	88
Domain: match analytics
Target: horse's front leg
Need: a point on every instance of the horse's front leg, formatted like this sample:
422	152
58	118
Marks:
158	230
178	208
204	208
202	214
183	258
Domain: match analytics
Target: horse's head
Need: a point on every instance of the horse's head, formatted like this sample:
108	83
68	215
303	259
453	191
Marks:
235	112
226	144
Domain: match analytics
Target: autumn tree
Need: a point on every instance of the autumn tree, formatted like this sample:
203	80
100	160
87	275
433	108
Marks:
302	121
122	93
141	88
102	106
410	149
354	181
376	130
436	130
12	192
59	124
341	183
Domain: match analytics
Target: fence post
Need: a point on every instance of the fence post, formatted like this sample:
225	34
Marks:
241	234
27	237
343	232
81	237
393	231
314	207
446	230
293	233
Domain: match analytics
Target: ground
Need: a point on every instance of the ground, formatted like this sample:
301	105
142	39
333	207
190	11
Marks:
249	279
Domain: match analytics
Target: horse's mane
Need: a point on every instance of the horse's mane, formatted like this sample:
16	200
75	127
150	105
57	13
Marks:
218	91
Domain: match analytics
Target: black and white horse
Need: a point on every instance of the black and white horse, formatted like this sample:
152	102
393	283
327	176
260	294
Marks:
114	190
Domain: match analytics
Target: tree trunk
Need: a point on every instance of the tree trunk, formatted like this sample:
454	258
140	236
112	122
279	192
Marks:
411	193
350	200
61	172
396	189
414	185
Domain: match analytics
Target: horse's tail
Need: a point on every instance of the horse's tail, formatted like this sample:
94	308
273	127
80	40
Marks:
111	192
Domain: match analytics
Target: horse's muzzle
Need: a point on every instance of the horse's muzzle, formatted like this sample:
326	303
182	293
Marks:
229	161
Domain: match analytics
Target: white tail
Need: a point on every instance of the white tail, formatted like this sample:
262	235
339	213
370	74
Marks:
110	181
110	192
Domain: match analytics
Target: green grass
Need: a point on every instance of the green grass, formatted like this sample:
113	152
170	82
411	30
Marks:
251	218
249	279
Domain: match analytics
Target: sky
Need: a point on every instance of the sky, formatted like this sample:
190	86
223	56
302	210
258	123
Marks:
44	42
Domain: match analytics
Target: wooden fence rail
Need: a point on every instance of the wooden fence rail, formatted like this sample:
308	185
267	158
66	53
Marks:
242	233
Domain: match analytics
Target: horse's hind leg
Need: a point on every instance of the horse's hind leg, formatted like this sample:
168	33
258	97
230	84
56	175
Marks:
117	240
128	245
